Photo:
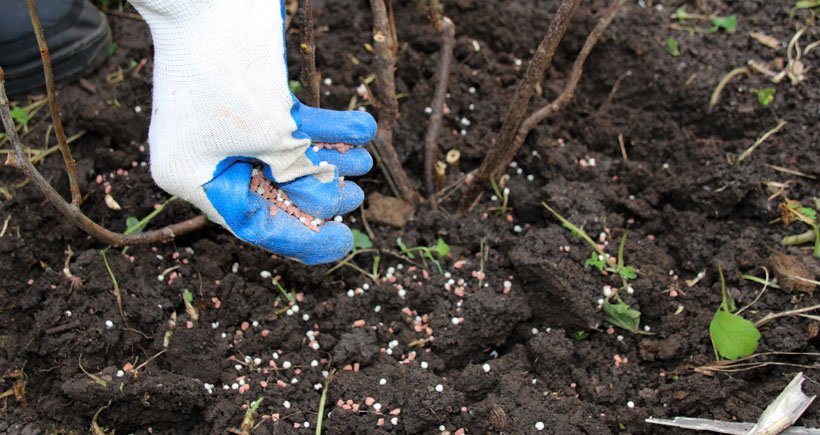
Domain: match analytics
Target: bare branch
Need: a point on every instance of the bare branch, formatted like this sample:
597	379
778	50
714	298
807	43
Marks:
431	139
307	46
72	212
70	164
520	102
388	106
569	88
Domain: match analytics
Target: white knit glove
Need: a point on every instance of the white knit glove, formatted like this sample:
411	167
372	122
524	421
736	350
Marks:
222	107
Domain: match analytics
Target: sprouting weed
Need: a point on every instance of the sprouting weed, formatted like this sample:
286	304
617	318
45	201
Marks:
727	23
765	96
732	336
793	211
618	313
440	249
134	225
289	296
672	46
248	423
190	309
501	192
21	116
361	240
622	315
361	245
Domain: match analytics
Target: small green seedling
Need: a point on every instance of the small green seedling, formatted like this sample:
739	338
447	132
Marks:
805	4
289	296
622	315
441	249
502	193
580	335
295	86
791	211
727	23
22	116
361	240
599	259
190	309
732	336
619	313
249	422
672	46
361	245
134	225
765	96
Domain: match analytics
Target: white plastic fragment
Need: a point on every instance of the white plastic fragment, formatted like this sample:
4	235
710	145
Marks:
778	417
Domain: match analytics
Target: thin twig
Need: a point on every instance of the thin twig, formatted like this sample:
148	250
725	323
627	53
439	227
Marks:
384	63
520	103
431	138
759	141
70	164
72	213
62	328
307	45
771	316
759	295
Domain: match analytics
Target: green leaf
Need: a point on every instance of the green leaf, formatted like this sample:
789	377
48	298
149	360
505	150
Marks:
112	48
809	213
622	316
441	248
681	14
361	240
188	296
728	24
672	47
627	272
404	249
20	116
132	225
807	4
596	261
579	335
733	336
765	96
295	86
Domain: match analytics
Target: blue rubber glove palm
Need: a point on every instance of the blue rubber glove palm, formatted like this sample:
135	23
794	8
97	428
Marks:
247	213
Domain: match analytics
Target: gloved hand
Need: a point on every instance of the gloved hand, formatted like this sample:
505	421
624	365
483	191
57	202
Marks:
222	108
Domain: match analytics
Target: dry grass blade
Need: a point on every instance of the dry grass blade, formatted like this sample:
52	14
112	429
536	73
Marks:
725	81
746	363
792	172
745	154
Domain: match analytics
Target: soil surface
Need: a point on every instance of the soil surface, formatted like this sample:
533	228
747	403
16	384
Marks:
420	351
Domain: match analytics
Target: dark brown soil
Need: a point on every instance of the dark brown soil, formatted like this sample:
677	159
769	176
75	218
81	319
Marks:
685	207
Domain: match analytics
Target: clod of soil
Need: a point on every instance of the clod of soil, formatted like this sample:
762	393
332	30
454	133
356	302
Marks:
525	344
792	274
388	210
